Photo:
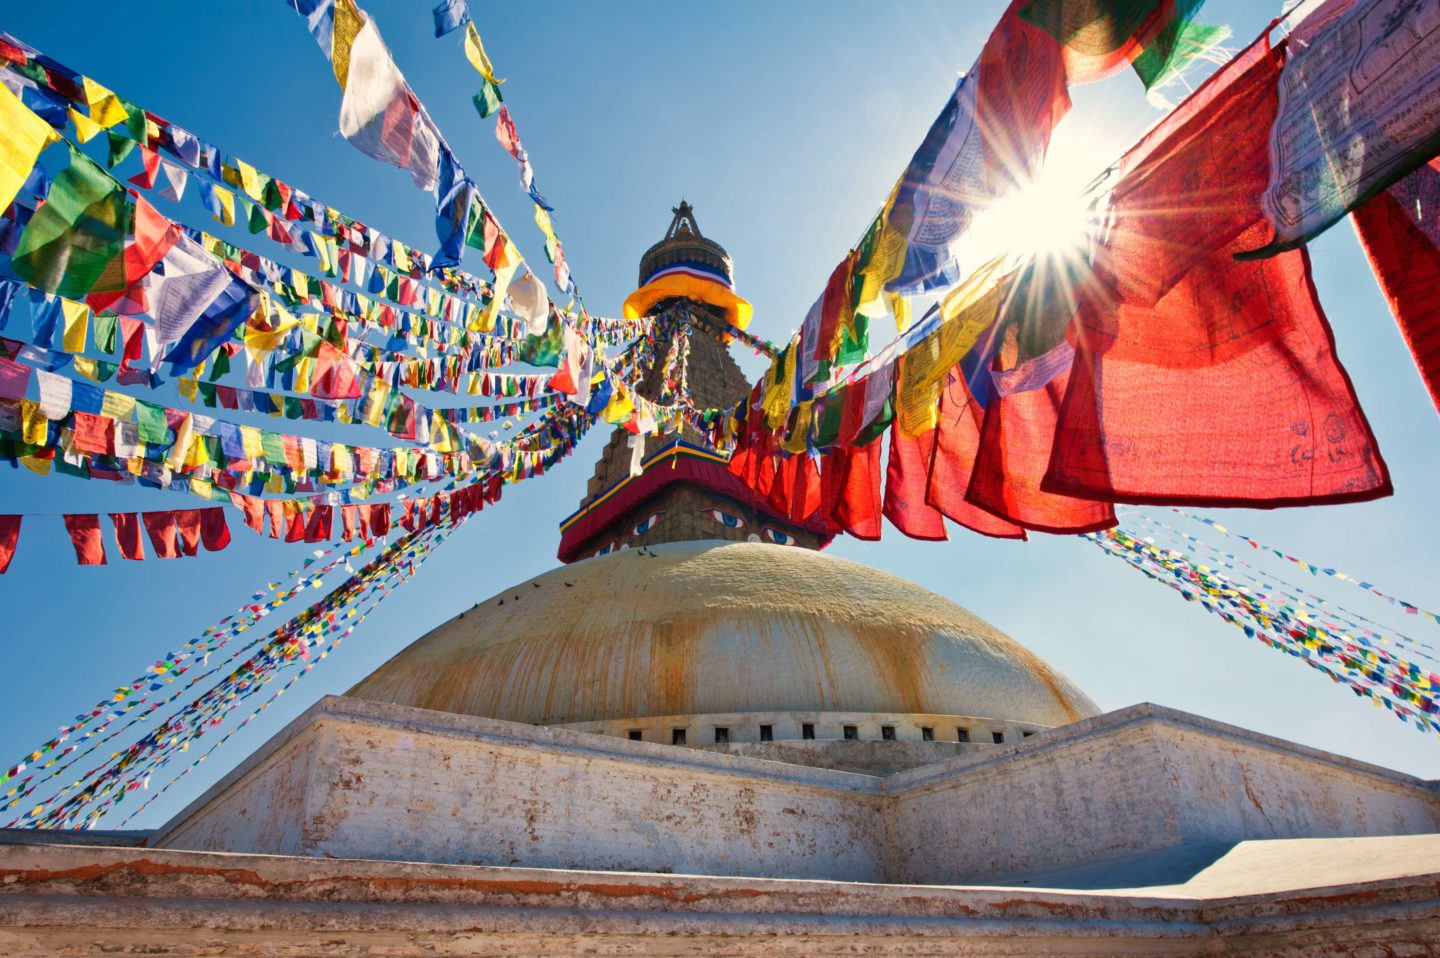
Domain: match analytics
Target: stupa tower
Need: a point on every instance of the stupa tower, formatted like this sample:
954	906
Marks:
682	492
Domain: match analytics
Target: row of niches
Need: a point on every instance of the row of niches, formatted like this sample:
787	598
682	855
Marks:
741	727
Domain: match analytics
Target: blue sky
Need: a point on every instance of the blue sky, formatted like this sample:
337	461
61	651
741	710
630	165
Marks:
785	125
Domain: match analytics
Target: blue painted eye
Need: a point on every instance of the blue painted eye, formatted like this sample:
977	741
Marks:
724	518
646	524
607	548
780	538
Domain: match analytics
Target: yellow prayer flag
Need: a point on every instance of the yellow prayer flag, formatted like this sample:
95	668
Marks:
85	128
105	107
41	467
401	256
542	220
87	367
252	442
248	179
796	441
304	369
34	426
475	53
188	387
347	23
620	408
965	313
77	324
22	136
117	406
226	199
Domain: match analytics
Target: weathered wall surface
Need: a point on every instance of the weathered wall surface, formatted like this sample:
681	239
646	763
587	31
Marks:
405	784
76	901
356	779
263	805
1138	780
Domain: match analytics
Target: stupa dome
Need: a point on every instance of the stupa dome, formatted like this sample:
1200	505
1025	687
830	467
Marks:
708	628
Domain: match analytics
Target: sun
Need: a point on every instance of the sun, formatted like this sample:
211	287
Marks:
1052	215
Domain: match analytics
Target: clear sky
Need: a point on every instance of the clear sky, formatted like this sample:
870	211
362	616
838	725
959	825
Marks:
785	125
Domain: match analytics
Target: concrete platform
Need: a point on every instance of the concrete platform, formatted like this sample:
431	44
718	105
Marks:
85	901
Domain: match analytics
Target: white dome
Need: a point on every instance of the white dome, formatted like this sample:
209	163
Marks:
700	628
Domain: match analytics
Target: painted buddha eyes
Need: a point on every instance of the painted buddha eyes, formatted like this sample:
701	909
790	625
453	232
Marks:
726	519
646	524
780	538
607	548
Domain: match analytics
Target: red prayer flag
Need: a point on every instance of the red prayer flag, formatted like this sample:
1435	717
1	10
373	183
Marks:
127	535
254	509
85	536
1015	441
296	532
188	522
275	509
907	474
850	489
1200	379
1400	233
9	536
317	529
379	518
334	374
1020	97
957	442
160	526
94	434
214	531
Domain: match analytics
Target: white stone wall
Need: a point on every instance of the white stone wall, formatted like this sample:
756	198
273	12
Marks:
355	779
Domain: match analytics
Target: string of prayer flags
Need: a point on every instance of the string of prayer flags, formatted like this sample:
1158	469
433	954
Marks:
1409	608
1407	691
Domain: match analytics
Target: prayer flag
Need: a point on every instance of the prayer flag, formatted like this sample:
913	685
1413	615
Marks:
380	116
1198	378
1400	232
214	532
957	442
187	521
450	15
127	535
85	536
160	526
1358	102
9	537
475	52
907	474
23	136
488	100
71	245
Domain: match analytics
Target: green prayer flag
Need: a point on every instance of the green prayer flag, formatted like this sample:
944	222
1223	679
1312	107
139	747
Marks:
103	325
72	244
120	147
206	392
220	366
273	445
1176	47
256	222
487	101
152	428
293	408
826	424
545	349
